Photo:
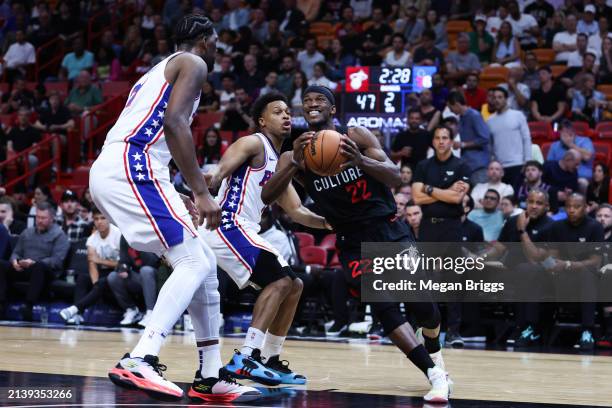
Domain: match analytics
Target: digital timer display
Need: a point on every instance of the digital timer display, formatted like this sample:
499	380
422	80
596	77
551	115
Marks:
379	95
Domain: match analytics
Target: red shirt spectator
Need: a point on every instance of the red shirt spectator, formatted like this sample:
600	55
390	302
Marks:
475	97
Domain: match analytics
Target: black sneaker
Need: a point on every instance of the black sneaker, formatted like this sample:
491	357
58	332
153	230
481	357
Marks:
514	336
222	389
376	332
281	367
337	330
528	338
26	313
454	339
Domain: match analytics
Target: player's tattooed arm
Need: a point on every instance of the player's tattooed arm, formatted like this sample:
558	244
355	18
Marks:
373	160
240	151
286	169
291	203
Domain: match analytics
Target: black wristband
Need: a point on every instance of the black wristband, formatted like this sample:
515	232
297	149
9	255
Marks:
429	190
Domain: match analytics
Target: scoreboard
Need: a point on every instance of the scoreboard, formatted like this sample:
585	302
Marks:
377	97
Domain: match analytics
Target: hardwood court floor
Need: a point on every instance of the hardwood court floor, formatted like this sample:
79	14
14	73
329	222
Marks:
354	370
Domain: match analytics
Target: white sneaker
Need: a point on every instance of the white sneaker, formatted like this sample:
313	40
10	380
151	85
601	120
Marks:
187	325
360	327
438	360
441	386
221	390
145	374
145	319
77	320
130	316
68	313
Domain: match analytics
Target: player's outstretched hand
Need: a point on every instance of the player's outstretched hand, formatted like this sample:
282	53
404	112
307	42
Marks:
350	149
208	210
298	147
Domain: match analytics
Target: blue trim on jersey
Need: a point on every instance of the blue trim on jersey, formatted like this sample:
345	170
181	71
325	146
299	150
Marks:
170	228
234	235
235	188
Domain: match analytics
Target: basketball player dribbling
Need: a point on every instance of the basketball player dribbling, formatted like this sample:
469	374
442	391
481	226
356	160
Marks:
359	205
130	183
248	258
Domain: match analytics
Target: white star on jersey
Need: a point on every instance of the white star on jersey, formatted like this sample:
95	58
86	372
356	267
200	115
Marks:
160	114
148	132
137	156
155	123
231	204
140	176
237	179
235	188
138	167
234	197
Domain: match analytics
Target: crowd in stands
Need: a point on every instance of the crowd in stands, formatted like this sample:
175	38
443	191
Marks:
502	66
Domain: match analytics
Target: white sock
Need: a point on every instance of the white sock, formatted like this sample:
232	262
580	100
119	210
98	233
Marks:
150	342
210	360
254	340
272	345
190	267
73	309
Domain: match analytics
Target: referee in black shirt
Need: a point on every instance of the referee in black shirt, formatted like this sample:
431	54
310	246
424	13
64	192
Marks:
440	184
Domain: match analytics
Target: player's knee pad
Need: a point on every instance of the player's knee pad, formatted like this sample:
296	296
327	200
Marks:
389	314
426	314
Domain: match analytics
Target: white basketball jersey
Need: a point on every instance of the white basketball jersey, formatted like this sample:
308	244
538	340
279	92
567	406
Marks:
141	123
240	194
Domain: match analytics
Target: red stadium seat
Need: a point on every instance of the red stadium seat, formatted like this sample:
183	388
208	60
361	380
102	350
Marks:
541	130
305	239
610	192
7	120
582	128
604	130
80	176
113	88
59	87
313	255
206	120
602	152
329	242
335	262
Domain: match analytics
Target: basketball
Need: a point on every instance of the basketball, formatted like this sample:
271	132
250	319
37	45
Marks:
322	155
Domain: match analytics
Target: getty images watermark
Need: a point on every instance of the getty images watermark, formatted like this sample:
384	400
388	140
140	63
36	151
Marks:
466	272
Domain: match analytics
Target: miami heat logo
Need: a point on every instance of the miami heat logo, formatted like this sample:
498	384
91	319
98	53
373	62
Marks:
267	175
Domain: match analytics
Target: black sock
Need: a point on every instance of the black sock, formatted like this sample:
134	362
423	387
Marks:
421	359
432	344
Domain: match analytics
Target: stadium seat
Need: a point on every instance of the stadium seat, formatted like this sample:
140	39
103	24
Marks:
321	28
335	262
113	88
604	130
80	176
328	242
606	90
458	26
610	193
60	87
542	130
493	76
557	70
582	128
545	56
313	255
602	152
4	87
305	239
206	120
7	120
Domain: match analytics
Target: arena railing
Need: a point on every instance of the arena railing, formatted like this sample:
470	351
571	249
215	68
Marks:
96	122
16	168
55	47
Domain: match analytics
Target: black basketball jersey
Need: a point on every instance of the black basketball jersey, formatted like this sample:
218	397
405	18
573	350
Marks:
349	198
